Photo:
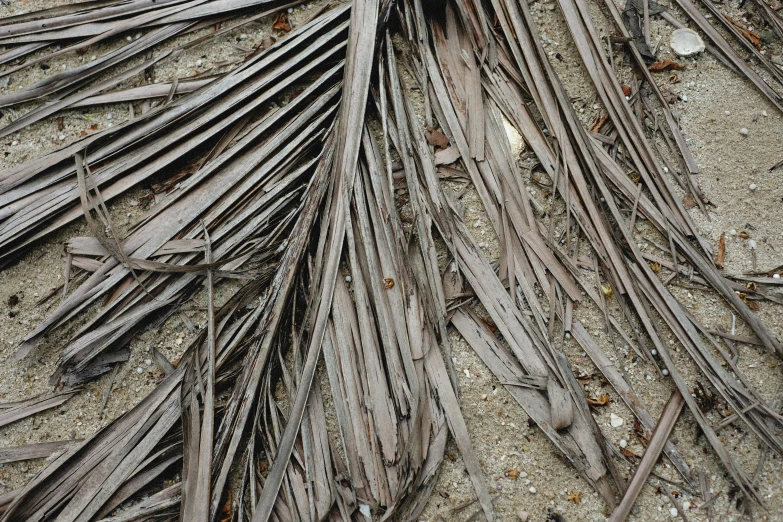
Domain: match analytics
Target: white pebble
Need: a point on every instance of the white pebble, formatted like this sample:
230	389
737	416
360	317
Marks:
14	143
776	276
93	58
61	137
665	372
744	131
64	67
666	170
148	361
753	186
290	10
139	370
109	116
764	113
198	63
684	98
654	351
623	443
732	232
348	279
752	244
673	511
615	421
727	113
686	505
532	489
129	38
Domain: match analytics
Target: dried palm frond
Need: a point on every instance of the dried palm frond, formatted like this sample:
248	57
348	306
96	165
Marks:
297	201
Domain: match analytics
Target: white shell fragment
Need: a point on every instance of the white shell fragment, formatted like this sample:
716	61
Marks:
686	42
615	421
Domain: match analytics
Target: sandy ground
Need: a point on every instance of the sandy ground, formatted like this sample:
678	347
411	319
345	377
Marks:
515	456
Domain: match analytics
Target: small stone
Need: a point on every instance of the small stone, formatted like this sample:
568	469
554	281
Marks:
665	372
686	505
129	38
744	131
764	113
243	36
673	512
109	116
727	113
199	63
523	516
615	421
348	279
139	370
654	351
753	186
484	397
290	10
148	361
684	98
623	443
775	276
732	232
61	137
532	489
14	143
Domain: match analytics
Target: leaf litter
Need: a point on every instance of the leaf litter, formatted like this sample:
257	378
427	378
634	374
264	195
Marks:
281	197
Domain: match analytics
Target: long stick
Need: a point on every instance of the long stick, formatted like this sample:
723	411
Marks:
661	434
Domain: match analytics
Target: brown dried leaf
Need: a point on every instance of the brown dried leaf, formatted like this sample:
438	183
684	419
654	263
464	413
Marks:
743	234
388	283
753	305
666	65
436	138
626	90
512	473
602	400
281	22
721	252
655	267
89	130
752	36
689	201
575	497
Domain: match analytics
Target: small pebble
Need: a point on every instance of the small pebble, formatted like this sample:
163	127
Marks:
484	397
14	143
148	361
129	38
684	98
753	186
109	116
61	137
732	232
290	10
615	421
744	131
654	351
623	443
673	511
686	505
139	370
532	489
665	372
523	516
199	63
727	113
775	276
666	170
348	279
